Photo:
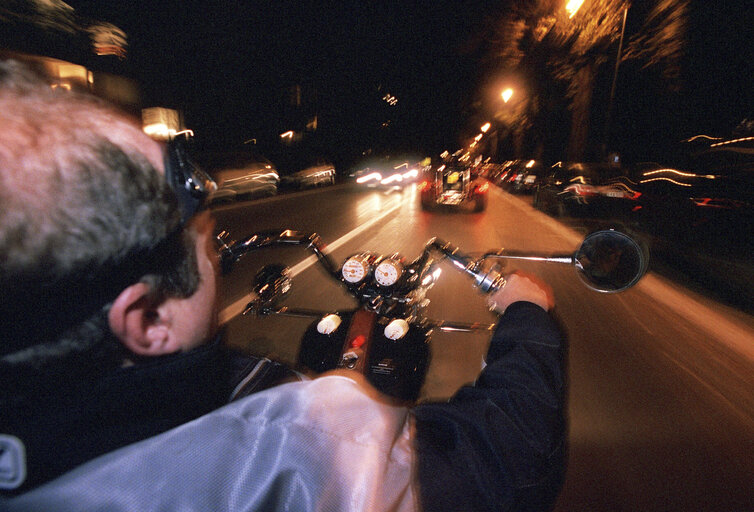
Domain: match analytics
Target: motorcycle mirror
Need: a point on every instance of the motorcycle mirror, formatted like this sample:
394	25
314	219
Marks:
271	285
610	261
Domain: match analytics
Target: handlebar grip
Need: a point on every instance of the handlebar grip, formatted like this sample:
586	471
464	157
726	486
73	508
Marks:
487	280
491	281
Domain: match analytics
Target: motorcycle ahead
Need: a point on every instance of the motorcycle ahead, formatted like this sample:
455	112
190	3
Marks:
386	338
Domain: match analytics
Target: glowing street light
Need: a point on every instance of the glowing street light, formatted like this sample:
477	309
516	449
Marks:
506	94
485	127
572	6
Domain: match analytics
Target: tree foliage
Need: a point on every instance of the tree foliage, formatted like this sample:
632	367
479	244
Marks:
541	35
53	15
661	40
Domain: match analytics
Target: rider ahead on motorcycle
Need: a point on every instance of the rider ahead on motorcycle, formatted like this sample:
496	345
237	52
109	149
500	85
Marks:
114	389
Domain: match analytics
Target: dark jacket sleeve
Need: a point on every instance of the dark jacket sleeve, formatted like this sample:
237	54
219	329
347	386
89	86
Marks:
500	444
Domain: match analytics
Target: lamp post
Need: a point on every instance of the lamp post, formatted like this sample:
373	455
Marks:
572	6
606	134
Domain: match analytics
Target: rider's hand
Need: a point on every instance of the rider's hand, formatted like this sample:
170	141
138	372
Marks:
522	286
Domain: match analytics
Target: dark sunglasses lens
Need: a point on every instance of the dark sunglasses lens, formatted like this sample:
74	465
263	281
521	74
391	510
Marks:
190	184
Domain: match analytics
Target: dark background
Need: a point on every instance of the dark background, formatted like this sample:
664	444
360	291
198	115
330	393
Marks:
229	65
232	67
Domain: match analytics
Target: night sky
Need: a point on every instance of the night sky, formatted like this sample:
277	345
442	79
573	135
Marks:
222	62
225	64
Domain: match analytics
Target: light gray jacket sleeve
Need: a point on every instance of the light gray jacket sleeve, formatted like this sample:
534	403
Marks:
324	444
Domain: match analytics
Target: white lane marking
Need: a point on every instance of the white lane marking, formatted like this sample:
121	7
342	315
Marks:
237	307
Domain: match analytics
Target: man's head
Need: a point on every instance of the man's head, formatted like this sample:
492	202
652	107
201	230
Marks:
91	239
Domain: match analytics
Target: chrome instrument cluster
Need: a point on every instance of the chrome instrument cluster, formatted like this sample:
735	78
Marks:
356	268
388	271
370	269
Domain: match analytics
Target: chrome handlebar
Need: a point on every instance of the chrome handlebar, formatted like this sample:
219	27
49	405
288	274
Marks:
487	281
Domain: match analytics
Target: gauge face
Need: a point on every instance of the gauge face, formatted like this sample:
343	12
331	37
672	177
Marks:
354	269
388	272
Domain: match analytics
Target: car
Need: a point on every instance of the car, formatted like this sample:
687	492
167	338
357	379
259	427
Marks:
388	172
502	174
707	204
243	176
316	174
452	183
522	176
586	189
490	171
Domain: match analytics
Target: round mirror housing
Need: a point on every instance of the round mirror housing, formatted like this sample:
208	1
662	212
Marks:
272	284
610	261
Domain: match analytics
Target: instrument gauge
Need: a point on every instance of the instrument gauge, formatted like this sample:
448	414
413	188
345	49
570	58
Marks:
388	272
355	269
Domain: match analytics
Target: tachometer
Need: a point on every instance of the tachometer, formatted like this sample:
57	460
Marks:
355	269
388	272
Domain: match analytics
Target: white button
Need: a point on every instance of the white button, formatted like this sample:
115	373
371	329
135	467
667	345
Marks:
396	329
328	324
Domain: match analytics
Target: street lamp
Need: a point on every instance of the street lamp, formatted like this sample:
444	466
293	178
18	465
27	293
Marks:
506	94
572	6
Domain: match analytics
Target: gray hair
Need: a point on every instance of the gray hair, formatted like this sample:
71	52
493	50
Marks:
80	207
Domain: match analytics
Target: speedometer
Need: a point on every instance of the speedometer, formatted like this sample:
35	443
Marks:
388	272
355	269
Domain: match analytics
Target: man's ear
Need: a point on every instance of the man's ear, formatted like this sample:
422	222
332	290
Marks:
136	321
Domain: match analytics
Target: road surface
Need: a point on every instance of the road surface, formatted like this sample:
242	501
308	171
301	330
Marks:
661	380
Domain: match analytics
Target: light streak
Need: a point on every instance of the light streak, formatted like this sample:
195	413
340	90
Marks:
733	141
692	139
681	173
666	179
369	177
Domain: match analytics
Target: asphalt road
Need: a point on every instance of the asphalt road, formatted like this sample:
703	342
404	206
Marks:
660	401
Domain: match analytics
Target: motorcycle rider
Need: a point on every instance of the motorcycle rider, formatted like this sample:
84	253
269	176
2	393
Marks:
113	387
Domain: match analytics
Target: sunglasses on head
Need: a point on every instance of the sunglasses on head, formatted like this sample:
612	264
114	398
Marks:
188	181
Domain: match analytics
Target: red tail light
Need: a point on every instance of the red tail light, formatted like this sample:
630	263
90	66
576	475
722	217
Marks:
713	202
